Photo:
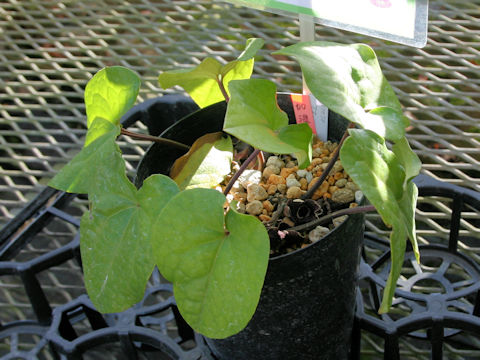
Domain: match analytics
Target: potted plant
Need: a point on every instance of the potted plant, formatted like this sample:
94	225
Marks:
198	237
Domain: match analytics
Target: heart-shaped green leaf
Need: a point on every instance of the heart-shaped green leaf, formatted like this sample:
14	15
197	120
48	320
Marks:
345	78
96	166
203	82
206	164
217	262
254	117
110	93
115	242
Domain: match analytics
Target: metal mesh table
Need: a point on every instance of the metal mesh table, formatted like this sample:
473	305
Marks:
49	49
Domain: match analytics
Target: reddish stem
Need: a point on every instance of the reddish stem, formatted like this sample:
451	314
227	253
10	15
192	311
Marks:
329	167
235	177
328	217
155	139
222	89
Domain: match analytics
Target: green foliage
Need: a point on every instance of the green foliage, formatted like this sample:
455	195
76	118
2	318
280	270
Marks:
116	241
254	117
349	81
205	82
110	93
206	164
381	176
216	262
92	169
216	257
345	78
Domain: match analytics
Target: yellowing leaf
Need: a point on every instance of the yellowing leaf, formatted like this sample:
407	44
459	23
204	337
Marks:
202	82
206	164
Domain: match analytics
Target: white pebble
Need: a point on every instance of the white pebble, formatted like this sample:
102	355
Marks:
302	173
318	233
269	170
358	196
249	177
293	182
309	177
275	161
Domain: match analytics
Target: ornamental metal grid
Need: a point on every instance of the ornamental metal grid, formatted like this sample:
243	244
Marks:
49	49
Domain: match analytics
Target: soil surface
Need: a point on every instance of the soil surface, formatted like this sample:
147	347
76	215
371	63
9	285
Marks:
274	189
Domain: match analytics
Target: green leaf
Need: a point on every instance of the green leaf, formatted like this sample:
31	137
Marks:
398	238
96	166
253	116
217	262
404	227
345	78
110	93
410	161
251	49
206	164
412	165
375	169
115	242
98	128
242	67
202	82
381	177
386	122
408	205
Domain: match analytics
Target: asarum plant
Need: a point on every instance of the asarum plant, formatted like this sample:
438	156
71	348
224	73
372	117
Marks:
215	257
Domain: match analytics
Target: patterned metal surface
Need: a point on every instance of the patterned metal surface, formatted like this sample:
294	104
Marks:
49	49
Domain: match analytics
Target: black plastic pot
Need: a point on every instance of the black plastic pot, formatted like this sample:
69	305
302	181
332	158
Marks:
307	303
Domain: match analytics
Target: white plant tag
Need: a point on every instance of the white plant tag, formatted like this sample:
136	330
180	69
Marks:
320	116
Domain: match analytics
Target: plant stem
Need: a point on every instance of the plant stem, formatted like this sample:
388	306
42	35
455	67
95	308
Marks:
222	89
155	139
252	156
328	217
329	167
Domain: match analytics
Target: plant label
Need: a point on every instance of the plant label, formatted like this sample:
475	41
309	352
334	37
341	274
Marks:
311	111
402	21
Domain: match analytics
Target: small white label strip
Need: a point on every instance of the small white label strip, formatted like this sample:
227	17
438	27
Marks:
320	115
